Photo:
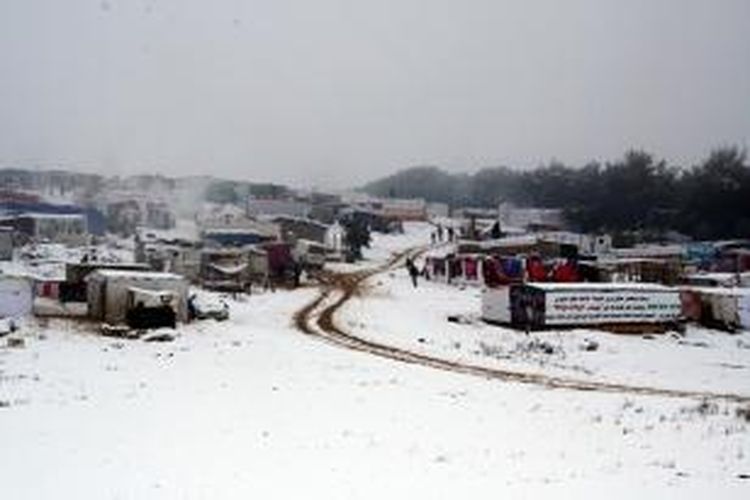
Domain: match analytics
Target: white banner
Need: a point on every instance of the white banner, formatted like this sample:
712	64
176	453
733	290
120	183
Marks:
617	306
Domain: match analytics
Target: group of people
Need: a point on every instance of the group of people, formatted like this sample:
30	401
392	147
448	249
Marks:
437	236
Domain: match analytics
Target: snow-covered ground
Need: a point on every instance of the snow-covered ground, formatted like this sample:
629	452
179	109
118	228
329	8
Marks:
395	313
47	260
252	408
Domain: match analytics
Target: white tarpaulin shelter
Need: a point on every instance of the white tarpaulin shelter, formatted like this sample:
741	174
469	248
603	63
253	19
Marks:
109	292
229	269
153	298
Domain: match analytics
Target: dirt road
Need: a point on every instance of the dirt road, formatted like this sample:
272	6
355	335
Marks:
318	318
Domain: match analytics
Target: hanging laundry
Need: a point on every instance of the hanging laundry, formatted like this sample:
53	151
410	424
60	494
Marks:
470	268
566	272
535	269
512	267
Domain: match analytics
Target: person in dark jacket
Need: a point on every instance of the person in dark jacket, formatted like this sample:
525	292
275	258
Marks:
413	271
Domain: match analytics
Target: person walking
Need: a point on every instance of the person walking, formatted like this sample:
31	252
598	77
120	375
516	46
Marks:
413	271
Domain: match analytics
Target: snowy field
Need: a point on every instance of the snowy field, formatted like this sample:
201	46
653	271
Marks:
252	408
393	312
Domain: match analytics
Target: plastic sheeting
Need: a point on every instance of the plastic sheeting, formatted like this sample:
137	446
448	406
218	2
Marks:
230	270
153	298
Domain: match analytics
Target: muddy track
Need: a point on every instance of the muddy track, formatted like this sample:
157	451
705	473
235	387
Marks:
323	325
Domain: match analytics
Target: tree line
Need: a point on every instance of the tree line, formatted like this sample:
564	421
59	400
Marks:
636	195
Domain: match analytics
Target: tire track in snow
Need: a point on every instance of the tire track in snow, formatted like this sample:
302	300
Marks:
323	325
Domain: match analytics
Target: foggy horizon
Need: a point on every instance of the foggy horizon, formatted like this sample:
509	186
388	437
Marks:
333	95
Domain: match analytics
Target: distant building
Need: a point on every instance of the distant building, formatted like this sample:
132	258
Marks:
94	219
69	229
475	213
327	213
587	244
124	217
131	212
376	221
435	210
159	215
238	237
169	251
296	228
225	217
403	209
257	207
531	218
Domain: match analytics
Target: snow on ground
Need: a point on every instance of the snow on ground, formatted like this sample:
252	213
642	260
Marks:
250	407
384	246
47	260
395	313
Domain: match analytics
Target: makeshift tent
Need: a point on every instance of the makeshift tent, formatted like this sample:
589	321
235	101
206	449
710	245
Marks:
725	308
111	293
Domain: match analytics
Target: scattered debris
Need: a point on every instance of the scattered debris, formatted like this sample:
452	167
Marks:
459	318
536	346
707	408
16	342
590	345
695	343
120	331
493	351
159	337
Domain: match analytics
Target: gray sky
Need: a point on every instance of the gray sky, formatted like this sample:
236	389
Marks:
337	92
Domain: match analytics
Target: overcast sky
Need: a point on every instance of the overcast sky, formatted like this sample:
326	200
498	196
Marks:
337	92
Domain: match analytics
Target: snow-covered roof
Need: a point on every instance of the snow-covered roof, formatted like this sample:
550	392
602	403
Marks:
728	278
183	231
717	290
40	215
37	215
650	251
510	241
302	220
237	230
624	260
144	275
